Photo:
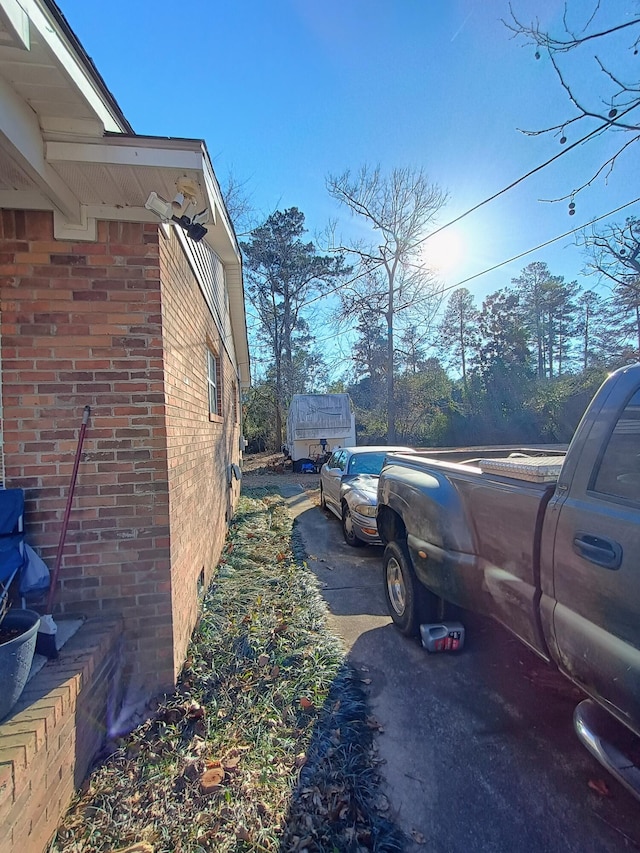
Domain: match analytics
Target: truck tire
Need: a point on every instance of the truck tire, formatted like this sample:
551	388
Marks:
347	528
409	603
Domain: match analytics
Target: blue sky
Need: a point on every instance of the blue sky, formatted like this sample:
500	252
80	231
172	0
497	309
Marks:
286	91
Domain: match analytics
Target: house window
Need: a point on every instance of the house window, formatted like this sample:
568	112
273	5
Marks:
213	381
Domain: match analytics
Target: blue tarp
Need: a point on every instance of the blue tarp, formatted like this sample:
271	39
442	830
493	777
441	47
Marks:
12	552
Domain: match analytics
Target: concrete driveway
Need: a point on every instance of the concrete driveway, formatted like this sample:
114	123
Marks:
479	748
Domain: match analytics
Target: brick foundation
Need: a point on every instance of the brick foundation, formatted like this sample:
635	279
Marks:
48	742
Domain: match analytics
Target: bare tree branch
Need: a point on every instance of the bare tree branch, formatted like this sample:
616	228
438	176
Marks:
558	45
615	104
398	208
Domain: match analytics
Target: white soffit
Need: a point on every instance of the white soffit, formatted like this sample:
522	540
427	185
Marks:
113	178
44	69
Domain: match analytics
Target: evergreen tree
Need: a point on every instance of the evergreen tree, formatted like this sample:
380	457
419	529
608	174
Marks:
282	274
459	335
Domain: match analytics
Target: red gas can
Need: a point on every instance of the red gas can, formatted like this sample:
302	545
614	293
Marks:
442	637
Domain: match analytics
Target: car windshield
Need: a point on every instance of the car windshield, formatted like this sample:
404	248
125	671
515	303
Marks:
366	463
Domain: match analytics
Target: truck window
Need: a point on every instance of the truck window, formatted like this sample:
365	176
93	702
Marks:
619	470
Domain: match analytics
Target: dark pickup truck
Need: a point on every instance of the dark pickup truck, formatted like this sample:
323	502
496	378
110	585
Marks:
548	544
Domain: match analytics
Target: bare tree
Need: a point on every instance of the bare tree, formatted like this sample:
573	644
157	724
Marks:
399	209
604	100
613	252
613	255
237	200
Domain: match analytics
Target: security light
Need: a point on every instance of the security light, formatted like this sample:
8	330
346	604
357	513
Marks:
165	210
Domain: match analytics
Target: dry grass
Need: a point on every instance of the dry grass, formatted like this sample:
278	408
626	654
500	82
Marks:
266	745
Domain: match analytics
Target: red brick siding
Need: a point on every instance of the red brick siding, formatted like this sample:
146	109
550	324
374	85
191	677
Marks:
200	448
81	324
119	325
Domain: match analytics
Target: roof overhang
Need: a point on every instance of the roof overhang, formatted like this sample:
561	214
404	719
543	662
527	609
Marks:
65	146
85	180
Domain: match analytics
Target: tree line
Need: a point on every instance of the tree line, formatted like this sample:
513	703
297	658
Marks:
519	367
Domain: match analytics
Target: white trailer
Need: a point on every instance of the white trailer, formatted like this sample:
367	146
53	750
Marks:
316	424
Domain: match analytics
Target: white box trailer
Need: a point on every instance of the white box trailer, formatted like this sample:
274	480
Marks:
318	423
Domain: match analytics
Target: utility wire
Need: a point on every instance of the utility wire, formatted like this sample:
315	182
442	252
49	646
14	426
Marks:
540	246
495	195
502	263
510	186
533	171
495	266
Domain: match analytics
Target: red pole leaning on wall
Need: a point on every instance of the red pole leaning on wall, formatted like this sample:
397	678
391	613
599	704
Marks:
67	511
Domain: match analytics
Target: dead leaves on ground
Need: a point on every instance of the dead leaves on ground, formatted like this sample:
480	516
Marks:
212	777
258	672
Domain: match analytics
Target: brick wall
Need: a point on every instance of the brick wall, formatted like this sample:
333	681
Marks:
119	325
48	742
81	324
200	446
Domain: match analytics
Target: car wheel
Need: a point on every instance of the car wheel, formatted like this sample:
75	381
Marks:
347	528
410	604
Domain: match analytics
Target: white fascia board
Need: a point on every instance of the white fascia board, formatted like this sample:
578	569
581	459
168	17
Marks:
20	136
213	188
24	200
233	277
123	155
16	21
69	63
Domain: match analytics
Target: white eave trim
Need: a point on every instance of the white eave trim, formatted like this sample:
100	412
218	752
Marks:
20	137
123	155
188	155
16	21
70	65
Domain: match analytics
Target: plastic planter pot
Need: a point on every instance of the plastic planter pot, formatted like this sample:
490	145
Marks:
16	656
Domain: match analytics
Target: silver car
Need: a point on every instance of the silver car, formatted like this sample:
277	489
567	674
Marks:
349	488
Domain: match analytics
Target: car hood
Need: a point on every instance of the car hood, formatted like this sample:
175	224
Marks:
366	484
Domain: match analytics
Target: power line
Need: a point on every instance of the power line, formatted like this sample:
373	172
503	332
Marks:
540	246
504	190
502	263
531	172
495	266
492	197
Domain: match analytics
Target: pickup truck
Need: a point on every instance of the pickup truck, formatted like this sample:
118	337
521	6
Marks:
548	544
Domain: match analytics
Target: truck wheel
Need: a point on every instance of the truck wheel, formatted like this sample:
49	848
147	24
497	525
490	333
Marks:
347	529
409	603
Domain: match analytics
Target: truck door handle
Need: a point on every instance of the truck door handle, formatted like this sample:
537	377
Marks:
602	552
